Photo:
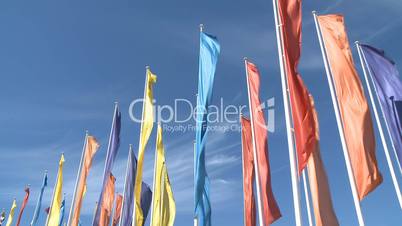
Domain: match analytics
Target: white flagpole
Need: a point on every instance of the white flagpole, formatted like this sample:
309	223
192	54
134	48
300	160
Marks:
292	158
153	184
340	126
70	215
365	66
306	194
257	177
130	150
140	140
195	218
242	164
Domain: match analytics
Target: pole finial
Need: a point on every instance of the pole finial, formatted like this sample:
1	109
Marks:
245	58
357	42
147	67
201	27
46	171
116	103
314	12
86	132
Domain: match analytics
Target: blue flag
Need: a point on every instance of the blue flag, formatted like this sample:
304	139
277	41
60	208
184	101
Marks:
62	210
39	202
128	197
389	90
113	147
209	51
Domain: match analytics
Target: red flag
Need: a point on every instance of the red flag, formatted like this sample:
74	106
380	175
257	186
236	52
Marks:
107	203
117	210
303	119
248	172
353	107
271	209
24	203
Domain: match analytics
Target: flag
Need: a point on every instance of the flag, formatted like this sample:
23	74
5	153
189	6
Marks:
146	200
164	207
248	173
321	196
54	211
2	217
107	204
117	209
146	129
39	202
128	198
23	205
271	209
209	51
91	147
11	214
353	107
62	210
113	147
290	12
388	84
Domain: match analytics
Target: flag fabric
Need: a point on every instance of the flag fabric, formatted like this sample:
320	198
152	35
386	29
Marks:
39	202
353	107
117	209
113	147
290	12
91	147
2	217
62	210
11	214
248	173
388	85
146	129
146	200
271	209
209	52
164	207
107	204
23	205
128	198
321	196
54	211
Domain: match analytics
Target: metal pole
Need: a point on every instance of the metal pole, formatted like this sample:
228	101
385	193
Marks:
306	194
257	177
364	64
340	127
70	215
242	164
130	150
153	184
292	158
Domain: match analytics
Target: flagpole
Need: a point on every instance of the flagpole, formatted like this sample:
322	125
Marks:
78	178
54	191
116	104
285	90
153	183
242	164
382	110
340	126
257	177
195	217
306	194
134	223
130	150
364	65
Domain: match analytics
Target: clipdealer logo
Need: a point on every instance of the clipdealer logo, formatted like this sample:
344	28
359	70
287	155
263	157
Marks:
181	115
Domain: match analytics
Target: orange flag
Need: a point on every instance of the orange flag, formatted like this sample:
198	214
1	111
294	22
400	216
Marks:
107	202
248	173
353	107
91	147
303	119
271	209
321	196
24	204
117	210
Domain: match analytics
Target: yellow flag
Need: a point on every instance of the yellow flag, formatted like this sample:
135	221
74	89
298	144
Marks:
11	214
54	212
164	207
146	129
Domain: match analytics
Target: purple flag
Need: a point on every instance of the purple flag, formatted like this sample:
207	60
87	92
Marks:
128	198
114	142
389	90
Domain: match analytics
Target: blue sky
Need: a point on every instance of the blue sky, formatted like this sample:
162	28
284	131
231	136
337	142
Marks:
63	64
